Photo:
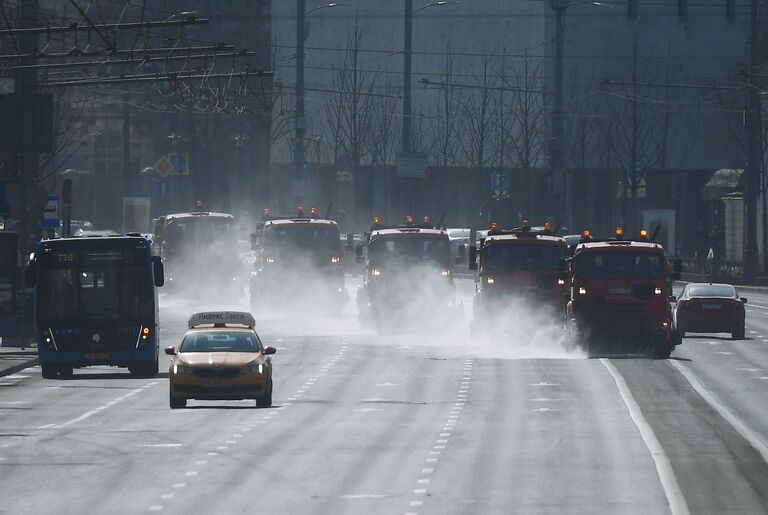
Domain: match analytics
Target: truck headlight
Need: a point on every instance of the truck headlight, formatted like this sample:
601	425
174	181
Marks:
446	272
335	259
490	280
375	272
657	291
582	290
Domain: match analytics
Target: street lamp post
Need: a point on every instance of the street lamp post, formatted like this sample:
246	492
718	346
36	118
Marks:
301	121
407	132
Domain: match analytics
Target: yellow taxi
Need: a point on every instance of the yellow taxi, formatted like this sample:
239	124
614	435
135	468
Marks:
221	358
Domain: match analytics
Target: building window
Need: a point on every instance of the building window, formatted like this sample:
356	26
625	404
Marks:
730	9
682	9
631	9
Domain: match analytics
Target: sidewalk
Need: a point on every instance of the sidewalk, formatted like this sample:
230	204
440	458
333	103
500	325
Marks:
13	359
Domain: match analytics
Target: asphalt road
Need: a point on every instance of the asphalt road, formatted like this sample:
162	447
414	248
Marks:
404	423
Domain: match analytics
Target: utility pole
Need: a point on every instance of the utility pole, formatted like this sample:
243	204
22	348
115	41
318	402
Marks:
753	126
561	185
301	121
407	56
26	89
126	154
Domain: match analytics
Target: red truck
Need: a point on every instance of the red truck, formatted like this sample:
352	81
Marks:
620	292
519	264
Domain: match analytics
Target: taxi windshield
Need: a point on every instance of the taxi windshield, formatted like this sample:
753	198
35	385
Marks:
522	257
620	265
219	341
409	249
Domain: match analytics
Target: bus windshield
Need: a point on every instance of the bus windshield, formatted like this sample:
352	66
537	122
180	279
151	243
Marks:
289	238
409	249
620	265
522	257
95	284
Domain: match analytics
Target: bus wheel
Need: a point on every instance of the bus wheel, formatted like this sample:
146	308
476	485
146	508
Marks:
65	371
177	402
49	372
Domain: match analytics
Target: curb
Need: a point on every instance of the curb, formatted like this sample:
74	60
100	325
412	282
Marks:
16	368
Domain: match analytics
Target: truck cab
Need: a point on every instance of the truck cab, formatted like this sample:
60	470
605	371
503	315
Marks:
620	291
519	265
298	261
408	275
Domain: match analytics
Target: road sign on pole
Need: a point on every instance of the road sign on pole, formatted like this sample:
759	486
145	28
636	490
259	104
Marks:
163	188
51	213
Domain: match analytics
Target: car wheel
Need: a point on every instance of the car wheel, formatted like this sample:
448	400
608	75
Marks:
663	350
265	401
65	371
49	372
177	402
738	334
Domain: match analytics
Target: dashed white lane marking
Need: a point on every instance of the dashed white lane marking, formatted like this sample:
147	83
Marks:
161	445
749	369
236	436
723	353
750	436
669	484
94	411
364	496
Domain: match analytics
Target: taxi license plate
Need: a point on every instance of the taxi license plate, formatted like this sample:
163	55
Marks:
712	306
96	356
213	383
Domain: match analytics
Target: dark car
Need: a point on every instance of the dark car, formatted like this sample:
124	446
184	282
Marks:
710	308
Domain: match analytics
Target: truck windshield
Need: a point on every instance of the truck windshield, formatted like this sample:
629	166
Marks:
409	249
288	238
620	265
522	257
95	284
195	232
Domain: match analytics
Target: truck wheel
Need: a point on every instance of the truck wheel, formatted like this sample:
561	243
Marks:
265	401
663	351
49	372
177	402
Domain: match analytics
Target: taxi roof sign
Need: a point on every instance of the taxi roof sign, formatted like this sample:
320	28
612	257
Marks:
221	318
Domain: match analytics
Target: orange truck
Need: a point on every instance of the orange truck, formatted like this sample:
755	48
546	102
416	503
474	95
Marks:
620	293
521	264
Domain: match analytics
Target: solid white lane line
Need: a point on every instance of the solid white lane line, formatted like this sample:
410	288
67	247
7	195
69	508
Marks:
750	436
669	484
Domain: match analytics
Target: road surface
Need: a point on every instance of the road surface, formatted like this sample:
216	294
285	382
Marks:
404	423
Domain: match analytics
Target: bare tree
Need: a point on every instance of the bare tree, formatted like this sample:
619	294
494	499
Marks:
478	117
444	126
349	108
529	110
383	135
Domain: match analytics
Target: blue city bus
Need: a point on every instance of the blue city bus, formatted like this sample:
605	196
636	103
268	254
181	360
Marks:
96	303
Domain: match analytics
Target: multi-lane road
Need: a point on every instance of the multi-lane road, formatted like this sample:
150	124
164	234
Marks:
404	423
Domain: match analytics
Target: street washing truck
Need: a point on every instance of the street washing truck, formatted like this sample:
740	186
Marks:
408	277
518	265
620	293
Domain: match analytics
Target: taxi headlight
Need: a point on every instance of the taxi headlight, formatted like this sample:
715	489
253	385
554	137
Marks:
253	369
182	369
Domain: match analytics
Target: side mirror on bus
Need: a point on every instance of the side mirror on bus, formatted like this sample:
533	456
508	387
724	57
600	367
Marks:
158	270
359	254
171	351
472	257
269	350
562	265
30	277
